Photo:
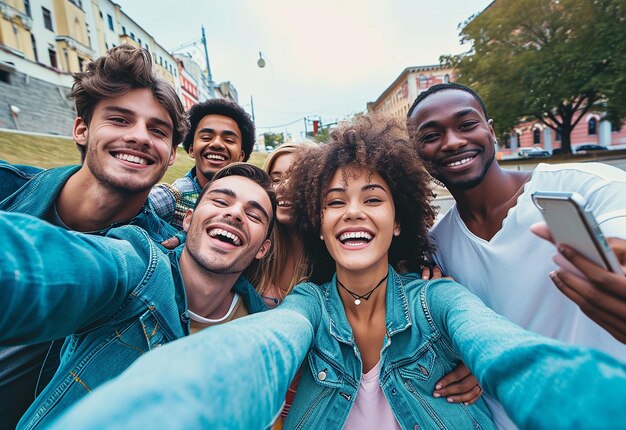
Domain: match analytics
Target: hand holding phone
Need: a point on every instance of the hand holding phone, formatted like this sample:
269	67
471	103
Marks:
571	224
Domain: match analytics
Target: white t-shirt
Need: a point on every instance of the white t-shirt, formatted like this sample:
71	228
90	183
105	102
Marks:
510	272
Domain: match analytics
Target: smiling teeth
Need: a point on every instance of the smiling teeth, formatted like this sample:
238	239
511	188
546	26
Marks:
215	157
221	232
355	235
131	158
284	203
460	162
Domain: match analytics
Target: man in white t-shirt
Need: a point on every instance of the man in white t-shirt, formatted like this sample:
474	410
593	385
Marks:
484	241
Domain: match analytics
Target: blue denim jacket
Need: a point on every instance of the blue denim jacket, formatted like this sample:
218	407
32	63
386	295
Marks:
114	299
13	176
235	375
26	369
37	193
415	355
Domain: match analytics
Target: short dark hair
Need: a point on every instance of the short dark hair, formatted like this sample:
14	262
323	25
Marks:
122	69
225	108
252	172
377	144
449	86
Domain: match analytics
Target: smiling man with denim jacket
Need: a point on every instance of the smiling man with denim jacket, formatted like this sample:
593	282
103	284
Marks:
119	296
128	126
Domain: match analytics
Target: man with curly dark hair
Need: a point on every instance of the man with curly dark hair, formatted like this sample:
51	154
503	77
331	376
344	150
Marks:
128	125
221	133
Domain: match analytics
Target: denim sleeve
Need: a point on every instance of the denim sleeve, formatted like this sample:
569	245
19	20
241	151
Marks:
306	299
542	383
232	376
163	201
54	282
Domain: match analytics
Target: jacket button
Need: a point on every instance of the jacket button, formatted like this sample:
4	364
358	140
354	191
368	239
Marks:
416	427
321	376
393	391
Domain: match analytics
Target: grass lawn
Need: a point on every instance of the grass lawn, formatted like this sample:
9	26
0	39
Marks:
44	151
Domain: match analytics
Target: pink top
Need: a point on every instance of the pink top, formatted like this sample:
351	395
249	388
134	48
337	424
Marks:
371	410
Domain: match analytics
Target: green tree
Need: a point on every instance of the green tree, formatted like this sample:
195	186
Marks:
549	60
273	139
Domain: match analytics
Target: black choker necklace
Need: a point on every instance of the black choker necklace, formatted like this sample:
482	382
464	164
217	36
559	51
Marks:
366	296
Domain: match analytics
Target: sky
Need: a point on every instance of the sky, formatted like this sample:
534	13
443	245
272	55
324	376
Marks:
325	59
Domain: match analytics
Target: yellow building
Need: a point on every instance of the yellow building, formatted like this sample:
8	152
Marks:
72	40
398	97
15	26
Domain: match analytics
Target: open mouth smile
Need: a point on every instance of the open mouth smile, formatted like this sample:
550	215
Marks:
458	160
225	236
355	238
284	203
215	157
133	159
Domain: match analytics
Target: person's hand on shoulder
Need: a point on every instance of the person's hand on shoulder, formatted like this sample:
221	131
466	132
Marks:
600	293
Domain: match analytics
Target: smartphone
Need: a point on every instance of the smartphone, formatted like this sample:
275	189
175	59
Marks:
572	224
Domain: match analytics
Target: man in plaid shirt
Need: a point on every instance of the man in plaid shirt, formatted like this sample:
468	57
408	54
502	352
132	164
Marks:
221	133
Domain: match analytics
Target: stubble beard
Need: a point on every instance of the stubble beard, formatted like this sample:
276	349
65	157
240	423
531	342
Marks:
124	183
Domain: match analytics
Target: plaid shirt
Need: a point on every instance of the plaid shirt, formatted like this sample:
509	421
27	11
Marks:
171	202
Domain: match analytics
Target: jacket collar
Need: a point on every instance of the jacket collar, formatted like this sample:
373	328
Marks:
28	199
398	317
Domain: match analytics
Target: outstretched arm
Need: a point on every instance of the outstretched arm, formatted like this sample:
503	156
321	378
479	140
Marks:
535	378
53	281
231	376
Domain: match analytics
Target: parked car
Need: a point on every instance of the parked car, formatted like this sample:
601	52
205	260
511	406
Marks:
586	148
533	152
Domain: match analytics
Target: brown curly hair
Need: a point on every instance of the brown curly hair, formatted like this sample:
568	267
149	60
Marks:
377	144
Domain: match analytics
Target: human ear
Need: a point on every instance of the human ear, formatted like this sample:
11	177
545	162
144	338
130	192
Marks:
187	219
80	131
264	249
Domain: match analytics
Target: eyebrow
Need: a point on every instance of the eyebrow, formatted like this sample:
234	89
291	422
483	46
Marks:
457	115
129	112
363	188
211	130
230	193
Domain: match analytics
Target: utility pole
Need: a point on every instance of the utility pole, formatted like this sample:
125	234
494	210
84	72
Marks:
252	108
208	66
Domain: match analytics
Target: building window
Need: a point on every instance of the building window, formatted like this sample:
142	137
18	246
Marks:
53	58
27	8
132	35
423	82
32	40
124	30
536	136
446	79
139	42
47	18
4	76
591	127
110	22
558	134
81	61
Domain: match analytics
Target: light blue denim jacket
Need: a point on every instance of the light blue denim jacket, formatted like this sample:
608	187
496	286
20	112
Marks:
114	299
235	376
39	189
26	369
415	354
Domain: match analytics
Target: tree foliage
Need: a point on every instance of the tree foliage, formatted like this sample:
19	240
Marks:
550	60
273	139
